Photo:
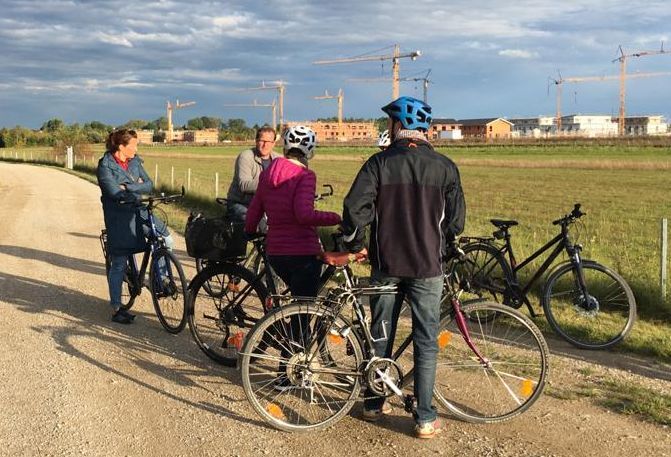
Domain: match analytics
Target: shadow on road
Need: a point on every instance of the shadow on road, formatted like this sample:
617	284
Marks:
87	318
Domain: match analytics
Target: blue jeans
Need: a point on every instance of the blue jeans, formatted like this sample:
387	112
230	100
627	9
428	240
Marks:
118	269
424	295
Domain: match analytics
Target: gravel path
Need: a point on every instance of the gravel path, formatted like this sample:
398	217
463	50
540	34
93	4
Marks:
74	383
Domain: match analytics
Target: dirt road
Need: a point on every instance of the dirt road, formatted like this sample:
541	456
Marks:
74	383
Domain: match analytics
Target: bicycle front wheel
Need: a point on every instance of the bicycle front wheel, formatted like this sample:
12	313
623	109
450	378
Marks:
507	376
225	301
286	376
596	320
169	291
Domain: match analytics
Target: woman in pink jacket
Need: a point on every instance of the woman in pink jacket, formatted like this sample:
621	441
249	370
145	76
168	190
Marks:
286	195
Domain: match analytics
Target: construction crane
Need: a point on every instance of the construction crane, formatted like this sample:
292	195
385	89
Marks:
340	97
579	79
394	57
425	82
279	86
255	104
169	109
623	65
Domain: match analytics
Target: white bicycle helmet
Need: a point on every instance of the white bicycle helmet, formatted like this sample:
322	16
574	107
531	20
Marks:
384	139
302	138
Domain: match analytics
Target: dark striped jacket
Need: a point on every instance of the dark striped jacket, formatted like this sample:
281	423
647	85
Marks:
411	197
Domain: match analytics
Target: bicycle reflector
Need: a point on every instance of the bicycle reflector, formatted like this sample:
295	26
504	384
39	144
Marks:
527	388
275	411
444	339
237	340
334	337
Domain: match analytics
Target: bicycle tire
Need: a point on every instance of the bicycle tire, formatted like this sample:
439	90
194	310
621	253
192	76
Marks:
515	373
169	294
128	291
325	391
218	312
598	322
484	273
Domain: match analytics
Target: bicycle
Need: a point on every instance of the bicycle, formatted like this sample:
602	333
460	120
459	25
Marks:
320	351
226	299
586	303
167	282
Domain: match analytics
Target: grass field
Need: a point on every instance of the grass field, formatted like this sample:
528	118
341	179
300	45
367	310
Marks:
625	191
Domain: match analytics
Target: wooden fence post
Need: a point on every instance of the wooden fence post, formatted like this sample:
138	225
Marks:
188	180
216	185
665	248
156	178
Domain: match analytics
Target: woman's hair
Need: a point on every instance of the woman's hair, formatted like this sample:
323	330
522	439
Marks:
120	137
297	154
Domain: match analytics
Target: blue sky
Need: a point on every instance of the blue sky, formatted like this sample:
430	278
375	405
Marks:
114	60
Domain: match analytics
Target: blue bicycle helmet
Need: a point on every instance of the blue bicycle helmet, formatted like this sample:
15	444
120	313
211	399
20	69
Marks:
414	114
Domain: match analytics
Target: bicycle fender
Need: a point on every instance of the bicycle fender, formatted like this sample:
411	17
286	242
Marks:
552	270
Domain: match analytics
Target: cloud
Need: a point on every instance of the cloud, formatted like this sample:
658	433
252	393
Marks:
518	54
114	39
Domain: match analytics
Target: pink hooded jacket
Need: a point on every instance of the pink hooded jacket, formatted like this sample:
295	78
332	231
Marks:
286	194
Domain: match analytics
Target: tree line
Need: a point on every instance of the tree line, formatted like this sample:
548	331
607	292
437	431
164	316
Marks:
57	133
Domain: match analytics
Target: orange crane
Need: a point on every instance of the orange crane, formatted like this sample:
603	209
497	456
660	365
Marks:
272	106
279	86
169	109
578	79
340	97
623	65
425	82
394	57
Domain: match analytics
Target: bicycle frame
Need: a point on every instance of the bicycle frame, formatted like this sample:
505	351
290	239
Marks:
561	242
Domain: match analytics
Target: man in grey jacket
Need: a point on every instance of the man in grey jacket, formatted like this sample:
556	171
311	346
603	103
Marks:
248	166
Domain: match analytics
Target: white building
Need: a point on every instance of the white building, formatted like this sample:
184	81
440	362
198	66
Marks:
588	125
533	127
645	125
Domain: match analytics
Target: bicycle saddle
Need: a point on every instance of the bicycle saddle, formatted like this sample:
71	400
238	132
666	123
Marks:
502	223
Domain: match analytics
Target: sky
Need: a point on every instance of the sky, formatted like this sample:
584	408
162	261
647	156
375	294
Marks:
115	60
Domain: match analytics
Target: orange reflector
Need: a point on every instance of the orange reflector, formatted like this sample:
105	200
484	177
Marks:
335	339
527	388
275	411
237	340
233	287
444	339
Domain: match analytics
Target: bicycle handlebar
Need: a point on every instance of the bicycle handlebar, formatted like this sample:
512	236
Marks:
323	195
570	217
154	200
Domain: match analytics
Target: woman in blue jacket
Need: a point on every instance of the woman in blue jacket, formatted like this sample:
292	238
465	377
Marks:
121	177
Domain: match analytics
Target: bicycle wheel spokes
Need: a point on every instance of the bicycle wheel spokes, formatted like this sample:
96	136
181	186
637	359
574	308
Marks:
513	373
482	272
300	370
168	290
597	319
226	302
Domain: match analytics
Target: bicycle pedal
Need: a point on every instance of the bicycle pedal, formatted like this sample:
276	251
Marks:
409	404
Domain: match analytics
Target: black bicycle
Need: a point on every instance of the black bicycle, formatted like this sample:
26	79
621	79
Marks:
227	297
586	303
304	365
167	282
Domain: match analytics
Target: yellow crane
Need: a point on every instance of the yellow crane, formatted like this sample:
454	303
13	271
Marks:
394	57
623	66
425	82
279	86
340	97
255	104
581	79
169	109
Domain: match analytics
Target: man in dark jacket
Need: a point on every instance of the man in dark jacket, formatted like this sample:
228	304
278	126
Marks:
411	197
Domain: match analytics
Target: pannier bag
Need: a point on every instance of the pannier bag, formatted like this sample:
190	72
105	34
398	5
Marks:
215	239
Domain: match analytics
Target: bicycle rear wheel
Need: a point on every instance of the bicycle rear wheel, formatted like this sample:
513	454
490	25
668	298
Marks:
285	375
169	291
225	301
597	320
483	274
514	372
